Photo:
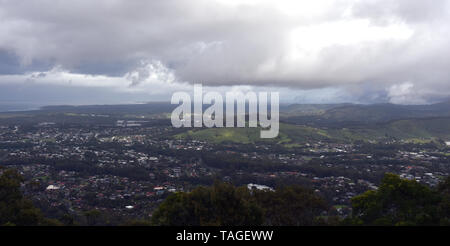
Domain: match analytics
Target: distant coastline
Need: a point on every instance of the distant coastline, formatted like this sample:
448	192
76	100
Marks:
10	107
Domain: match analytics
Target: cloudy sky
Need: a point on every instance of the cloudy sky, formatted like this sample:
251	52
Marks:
122	51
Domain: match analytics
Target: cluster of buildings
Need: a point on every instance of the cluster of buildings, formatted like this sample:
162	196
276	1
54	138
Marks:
127	169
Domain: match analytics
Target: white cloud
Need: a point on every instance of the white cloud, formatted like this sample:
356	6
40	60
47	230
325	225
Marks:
405	93
286	43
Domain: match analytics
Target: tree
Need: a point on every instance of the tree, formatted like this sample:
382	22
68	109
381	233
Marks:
221	204
14	208
93	217
398	202
224	205
290	206
444	206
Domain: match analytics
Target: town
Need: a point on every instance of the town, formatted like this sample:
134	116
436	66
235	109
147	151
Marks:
128	167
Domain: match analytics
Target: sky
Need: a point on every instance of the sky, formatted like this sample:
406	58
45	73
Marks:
323	51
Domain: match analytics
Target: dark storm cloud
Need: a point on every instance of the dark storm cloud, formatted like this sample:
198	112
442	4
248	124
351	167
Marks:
400	53
73	33
10	64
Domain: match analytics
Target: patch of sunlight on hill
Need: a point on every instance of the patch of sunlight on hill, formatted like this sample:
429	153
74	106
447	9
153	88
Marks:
296	135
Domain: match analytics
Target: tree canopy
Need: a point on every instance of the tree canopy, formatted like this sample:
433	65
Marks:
15	210
224	204
402	202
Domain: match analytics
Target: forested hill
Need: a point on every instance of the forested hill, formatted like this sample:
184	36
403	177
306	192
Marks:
355	114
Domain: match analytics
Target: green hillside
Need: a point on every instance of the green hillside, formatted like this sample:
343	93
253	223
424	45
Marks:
412	129
288	134
353	114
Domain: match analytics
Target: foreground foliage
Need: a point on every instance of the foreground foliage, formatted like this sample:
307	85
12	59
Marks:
14	208
397	202
402	202
224	204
